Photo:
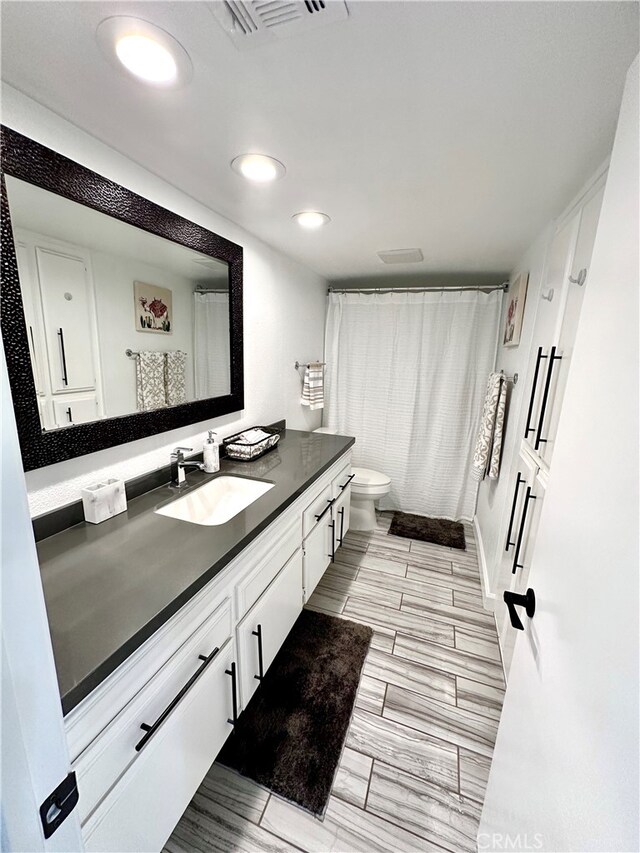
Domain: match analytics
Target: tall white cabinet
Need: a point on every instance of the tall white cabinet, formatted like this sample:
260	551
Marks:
62	328
565	281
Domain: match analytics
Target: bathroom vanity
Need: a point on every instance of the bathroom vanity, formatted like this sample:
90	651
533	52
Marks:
162	630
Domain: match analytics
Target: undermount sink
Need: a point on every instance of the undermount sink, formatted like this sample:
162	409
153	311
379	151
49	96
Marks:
217	501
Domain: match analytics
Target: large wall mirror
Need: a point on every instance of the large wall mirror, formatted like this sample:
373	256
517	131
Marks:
119	318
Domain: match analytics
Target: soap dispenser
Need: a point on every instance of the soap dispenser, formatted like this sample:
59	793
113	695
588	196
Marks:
211	454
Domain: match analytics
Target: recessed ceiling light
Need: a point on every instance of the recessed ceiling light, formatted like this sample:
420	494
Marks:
147	52
311	219
258	167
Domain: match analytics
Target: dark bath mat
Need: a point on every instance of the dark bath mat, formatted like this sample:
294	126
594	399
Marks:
440	531
290	736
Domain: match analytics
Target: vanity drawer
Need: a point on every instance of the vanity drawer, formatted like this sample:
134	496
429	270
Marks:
140	812
111	754
341	482
251	587
316	507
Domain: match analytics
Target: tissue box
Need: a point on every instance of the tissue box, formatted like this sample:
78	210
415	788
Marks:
104	500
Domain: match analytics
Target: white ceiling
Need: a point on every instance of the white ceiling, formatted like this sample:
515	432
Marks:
457	127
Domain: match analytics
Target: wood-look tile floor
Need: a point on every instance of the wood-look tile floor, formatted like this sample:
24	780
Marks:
416	759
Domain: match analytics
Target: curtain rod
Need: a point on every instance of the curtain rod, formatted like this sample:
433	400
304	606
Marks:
504	286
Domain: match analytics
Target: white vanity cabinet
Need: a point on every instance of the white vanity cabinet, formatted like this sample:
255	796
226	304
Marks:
142	742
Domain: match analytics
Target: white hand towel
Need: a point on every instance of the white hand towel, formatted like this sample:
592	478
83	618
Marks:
313	386
174	377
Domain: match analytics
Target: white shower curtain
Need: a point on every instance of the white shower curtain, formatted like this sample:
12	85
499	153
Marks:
406	374
211	345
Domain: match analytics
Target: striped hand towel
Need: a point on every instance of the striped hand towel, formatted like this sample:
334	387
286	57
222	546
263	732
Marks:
313	386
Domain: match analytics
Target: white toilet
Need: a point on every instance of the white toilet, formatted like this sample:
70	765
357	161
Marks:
367	487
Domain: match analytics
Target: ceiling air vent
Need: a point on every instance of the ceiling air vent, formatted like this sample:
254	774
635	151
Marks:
250	23
401	256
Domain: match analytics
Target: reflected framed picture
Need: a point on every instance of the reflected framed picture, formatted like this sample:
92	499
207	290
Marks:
153	308
515	310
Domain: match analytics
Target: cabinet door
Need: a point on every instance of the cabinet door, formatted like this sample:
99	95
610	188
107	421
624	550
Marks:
264	629
318	549
67	310
75	410
521	545
142	809
341	513
577	282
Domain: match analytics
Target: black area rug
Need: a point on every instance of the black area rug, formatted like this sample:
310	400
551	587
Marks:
290	736
440	531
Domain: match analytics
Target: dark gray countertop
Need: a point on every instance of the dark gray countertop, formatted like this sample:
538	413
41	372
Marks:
108	587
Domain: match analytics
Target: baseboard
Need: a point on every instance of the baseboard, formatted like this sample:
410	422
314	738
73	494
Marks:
488	597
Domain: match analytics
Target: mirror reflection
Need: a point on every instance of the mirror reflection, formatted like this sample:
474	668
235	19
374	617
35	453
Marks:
118	320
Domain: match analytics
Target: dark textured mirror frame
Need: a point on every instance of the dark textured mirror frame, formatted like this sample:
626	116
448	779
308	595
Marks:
28	160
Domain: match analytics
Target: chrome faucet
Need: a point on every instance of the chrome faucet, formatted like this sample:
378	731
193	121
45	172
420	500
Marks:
178	465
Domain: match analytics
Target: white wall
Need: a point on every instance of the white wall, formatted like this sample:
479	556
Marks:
284	307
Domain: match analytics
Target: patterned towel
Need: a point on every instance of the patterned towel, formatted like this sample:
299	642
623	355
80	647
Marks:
174	378
486	457
313	386
150	381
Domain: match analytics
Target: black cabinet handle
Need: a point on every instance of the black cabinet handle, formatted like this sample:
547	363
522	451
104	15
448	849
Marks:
332	527
258	633
513	600
151	730
234	692
545	397
330	503
342	488
64	358
527	498
341	514
69	414
519	482
536	373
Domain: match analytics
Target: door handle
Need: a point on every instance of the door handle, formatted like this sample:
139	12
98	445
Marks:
234	692
258	633
520	480
515	599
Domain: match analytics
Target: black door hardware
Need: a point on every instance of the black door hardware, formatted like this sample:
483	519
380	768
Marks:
59	805
527	498
258	633
341	514
330	503
528	427
545	397
519	482
234	692
515	599
151	730
64	360
351	476
332	527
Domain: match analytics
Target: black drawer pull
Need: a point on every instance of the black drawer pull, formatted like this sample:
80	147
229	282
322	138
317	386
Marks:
528	497
545	397
332	527
63	356
528	427
519	482
258	633
528	601
341	514
330	503
151	730
351	476
234	692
